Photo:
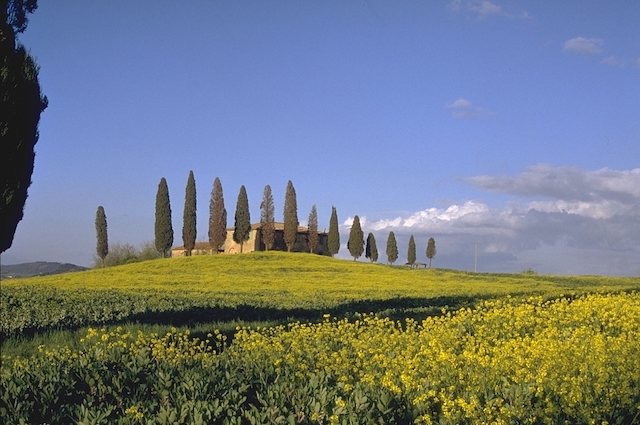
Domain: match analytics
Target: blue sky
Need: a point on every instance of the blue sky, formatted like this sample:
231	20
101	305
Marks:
514	125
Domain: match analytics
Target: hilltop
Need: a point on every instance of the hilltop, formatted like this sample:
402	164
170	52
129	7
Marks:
264	286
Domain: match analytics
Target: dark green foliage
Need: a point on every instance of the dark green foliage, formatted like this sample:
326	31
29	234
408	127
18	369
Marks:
163	227
371	251
189	216
411	252
242	226
102	246
392	248
313	229
14	17
290	217
22	104
267	218
333	239
116	385
217	217
431	250
355	244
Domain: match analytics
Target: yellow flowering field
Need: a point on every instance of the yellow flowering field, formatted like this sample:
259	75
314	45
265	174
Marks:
260	286
573	360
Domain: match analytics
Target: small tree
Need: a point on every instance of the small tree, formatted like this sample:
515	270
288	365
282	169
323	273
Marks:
189	216
313	229
392	248
102	247
217	217
411	253
431	250
267	218
290	217
333	239
242	227
371	252
355	244
163	227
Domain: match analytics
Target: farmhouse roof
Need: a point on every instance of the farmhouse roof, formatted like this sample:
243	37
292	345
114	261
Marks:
198	246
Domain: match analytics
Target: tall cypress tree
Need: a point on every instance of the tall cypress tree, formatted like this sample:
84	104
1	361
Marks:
242	226
411	253
20	109
290	217
313	229
217	217
189	215
355	244
163	227
371	252
333	239
431	250
392	248
267	218
102	246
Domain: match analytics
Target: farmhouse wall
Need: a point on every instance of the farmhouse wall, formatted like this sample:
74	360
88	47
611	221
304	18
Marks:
255	243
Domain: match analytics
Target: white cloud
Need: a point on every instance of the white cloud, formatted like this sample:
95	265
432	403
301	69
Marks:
574	213
601	209
614	61
469	217
481	9
486	8
589	46
566	183
462	108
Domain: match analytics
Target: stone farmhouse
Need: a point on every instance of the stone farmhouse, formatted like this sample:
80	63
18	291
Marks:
255	242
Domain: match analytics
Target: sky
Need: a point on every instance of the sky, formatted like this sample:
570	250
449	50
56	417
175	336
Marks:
511	125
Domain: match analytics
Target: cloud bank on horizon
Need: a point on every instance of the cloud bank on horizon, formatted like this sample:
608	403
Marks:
594	214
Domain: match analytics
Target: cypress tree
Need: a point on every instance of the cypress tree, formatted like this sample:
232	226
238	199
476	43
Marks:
290	217
411	254
267	219
242	226
217	217
21	106
189	215
392	248
355	244
333	239
431	250
371	252
102	246
163	227
313	229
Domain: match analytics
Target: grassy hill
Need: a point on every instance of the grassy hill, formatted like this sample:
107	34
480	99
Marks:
37	268
260	287
526	355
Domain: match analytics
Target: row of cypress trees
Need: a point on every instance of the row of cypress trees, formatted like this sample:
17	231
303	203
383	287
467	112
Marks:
242	225
217	233
356	246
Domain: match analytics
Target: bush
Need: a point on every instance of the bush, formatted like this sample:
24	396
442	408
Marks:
125	254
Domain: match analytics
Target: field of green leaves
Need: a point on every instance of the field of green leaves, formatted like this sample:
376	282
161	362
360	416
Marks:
359	343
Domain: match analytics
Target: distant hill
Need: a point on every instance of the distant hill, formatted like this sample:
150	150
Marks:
38	268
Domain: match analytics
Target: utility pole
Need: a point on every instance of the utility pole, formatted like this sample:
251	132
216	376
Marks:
475	265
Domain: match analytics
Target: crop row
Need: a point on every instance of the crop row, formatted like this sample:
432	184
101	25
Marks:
506	361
